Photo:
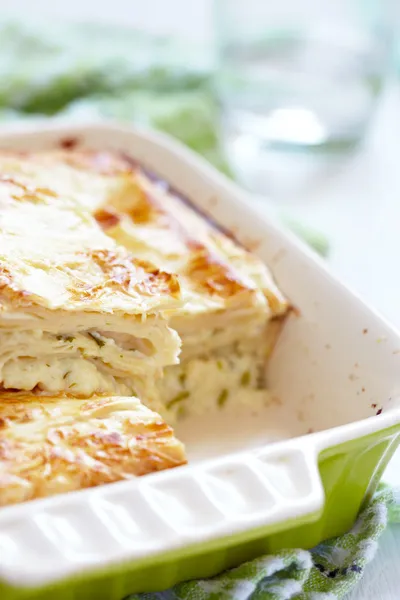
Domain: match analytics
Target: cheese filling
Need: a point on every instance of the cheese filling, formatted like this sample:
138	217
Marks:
81	230
85	362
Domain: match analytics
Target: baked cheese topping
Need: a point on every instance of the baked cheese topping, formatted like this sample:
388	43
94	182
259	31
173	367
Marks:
78	312
228	293
104	272
54	254
57	444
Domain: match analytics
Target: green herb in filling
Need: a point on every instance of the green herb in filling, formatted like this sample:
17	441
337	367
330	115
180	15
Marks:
245	380
97	339
222	398
65	338
220	365
182	379
178	398
182	412
66	374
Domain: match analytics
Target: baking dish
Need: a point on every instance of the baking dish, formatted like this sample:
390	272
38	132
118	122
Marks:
292	476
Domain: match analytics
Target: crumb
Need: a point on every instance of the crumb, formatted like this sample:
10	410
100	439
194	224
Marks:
356	365
363	389
311	430
300	416
233	232
365	331
308	398
374	405
379	412
396	352
295	311
353	377
252	245
278	256
69	143
328	346
276	401
213	201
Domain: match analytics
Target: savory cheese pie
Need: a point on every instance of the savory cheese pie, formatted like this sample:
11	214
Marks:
232	310
55	444
78	312
112	284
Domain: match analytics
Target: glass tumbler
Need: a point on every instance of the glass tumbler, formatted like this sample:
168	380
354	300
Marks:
297	76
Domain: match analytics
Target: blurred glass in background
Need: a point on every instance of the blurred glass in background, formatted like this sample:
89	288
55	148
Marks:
301	77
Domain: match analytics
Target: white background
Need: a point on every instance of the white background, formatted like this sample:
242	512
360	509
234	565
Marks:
357	205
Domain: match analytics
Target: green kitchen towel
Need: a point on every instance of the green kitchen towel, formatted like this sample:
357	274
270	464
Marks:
327	572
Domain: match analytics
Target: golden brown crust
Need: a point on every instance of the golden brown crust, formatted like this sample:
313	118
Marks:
207	272
125	274
26	192
211	275
132	210
211	263
9	290
144	209
59	444
106	218
55	255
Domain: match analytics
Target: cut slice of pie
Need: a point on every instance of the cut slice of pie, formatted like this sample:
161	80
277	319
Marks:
231	311
78	312
51	445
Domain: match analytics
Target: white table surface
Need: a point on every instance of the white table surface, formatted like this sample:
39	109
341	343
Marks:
358	207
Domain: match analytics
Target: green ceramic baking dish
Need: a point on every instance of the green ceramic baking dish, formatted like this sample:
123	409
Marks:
289	476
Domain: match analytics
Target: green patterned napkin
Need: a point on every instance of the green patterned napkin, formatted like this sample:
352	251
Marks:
327	572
